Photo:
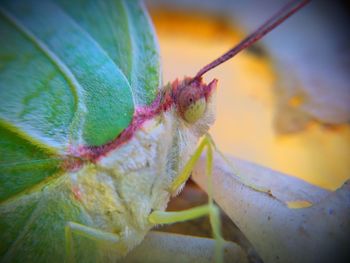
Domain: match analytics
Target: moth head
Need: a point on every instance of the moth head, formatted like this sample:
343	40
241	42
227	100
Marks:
193	98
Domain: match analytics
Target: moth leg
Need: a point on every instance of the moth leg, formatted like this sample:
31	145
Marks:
88	232
241	178
161	217
186	171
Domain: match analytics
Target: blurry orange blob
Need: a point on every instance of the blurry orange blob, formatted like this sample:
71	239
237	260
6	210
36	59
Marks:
247	99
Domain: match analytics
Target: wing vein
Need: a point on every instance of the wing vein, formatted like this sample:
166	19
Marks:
75	86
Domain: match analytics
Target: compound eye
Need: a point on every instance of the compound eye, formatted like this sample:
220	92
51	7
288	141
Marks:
191	104
195	110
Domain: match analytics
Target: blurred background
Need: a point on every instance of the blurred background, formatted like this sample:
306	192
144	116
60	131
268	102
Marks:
283	103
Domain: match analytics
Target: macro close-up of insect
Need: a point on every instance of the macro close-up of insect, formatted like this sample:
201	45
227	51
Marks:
93	144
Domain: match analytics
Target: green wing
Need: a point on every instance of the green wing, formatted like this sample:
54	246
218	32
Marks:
71	74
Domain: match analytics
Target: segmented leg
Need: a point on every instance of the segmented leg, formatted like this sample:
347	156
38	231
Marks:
161	217
241	178
88	232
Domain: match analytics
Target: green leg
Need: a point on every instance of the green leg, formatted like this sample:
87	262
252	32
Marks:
186	172
161	217
88	232
241	178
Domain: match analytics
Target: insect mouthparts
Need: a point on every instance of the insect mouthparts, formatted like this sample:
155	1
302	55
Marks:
286	11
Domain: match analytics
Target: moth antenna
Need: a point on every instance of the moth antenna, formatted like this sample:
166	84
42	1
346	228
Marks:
286	11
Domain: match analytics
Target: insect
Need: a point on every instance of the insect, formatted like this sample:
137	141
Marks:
91	152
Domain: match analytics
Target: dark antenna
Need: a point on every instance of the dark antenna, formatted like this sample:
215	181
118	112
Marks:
285	12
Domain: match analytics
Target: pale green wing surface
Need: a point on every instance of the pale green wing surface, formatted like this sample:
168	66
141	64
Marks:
103	99
71	74
131	44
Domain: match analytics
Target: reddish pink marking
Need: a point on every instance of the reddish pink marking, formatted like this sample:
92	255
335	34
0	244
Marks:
76	193
162	103
72	164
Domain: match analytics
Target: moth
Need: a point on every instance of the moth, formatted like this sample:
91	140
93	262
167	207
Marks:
91	148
